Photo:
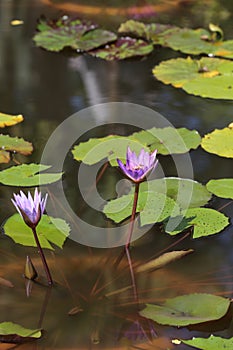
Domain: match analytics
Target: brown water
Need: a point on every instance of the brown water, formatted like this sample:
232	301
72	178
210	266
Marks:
47	88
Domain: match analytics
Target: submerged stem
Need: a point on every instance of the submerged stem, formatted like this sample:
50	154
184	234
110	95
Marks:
135	292
40	250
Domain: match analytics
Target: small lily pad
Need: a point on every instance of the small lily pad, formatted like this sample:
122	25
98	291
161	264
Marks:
219	142
211	343
10	328
15	144
49	230
8	120
205	222
207	77
28	175
222	188
123	48
188	309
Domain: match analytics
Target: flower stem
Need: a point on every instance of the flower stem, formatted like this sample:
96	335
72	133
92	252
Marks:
134	285
131	226
46	268
132	219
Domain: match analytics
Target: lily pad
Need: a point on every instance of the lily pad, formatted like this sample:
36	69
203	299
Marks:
190	41
77	34
153	207
222	188
123	48
211	343
28	175
188	309
110	147
207	77
5	157
168	140
219	142
185	192
10	328
8	120
205	222
15	144
49	230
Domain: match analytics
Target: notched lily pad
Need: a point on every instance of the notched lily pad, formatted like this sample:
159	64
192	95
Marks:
28	175
123	48
49	230
188	309
77	34
219	142
207	77
8	120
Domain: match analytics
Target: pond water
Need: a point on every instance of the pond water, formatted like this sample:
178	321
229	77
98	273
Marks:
49	87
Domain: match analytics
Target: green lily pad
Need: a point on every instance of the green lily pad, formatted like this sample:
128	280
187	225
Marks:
168	140
77	34
190	41
222	188
8	120
205	222
153	207
211	343
207	77
28	175
188	309
219	142
49	230
123	48
152	31
10	328
15	144
110	147
185	192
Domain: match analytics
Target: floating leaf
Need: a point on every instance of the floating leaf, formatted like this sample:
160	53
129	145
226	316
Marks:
211	343
77	34
15	144
162	260
123	48
219	142
168	140
8	120
152	31
222	188
185	192
28	175
10	328
49	230
207	77
111	147
188	309
153	207
205	222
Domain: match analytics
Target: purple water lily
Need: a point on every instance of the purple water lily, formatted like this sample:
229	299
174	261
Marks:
30	208
138	167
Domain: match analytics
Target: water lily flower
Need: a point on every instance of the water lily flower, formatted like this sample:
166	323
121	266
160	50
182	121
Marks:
138	167
30	208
